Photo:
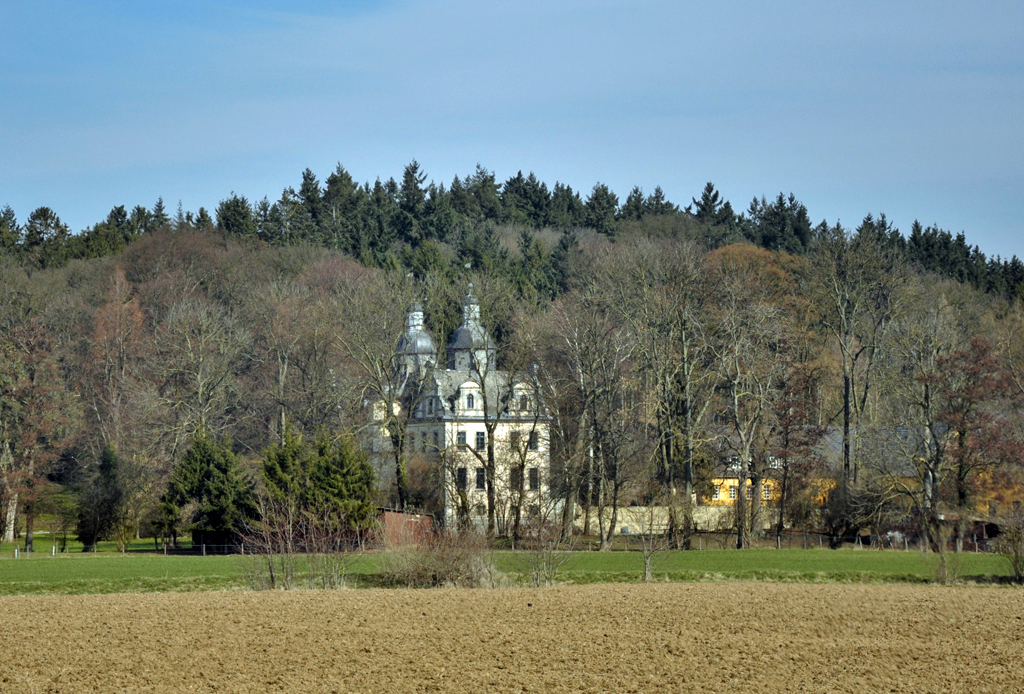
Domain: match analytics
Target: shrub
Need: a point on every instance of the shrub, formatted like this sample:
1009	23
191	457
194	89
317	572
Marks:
1010	544
461	560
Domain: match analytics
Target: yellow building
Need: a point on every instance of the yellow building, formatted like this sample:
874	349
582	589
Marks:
724	491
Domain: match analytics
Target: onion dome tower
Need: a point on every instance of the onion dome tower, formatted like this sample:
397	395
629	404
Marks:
416	349
471	348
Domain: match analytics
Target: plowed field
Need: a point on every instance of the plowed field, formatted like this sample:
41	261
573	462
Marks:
706	637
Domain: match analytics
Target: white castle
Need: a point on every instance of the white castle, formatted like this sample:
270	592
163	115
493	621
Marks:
486	428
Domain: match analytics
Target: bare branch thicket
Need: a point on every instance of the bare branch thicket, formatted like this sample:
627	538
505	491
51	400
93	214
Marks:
662	291
858	282
287	540
748	345
198	347
543	549
371	316
650	528
449	559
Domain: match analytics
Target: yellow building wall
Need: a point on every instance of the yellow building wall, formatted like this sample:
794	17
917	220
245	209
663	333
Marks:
724	498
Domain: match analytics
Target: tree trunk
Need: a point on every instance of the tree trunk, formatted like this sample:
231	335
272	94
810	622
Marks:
846	427
568	513
29	528
741	509
492	495
780	528
756	526
12	515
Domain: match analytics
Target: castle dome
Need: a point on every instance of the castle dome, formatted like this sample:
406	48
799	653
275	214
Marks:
470	346
416	341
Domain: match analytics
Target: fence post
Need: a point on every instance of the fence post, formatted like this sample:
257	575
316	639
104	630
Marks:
204	549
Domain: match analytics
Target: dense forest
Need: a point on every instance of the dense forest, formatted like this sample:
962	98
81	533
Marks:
429	228
164	372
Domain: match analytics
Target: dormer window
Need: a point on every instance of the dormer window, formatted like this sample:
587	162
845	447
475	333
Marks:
469	401
522	402
430	405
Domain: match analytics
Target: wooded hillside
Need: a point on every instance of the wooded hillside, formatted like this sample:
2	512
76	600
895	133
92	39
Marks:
670	341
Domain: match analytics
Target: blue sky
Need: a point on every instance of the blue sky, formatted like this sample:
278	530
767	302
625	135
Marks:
911	109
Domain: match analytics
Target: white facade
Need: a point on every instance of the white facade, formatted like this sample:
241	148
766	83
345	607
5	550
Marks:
471	418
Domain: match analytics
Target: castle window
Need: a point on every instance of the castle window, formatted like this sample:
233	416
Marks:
513	440
534	479
430	405
481	479
534	443
469	401
715	492
460	479
522	402
436	446
481	440
767	492
460	438
733	491
750	493
516	478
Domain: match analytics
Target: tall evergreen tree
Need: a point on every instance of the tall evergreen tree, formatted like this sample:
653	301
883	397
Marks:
634	208
412	200
10	232
45	238
601	209
99	503
209	483
235	216
340	209
159	217
566	209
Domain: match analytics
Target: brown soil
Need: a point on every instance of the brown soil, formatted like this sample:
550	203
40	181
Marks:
726	637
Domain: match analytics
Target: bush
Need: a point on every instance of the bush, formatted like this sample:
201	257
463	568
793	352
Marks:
461	560
277	544
542	551
1010	544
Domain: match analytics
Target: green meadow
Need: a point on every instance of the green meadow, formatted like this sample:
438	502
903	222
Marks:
143	570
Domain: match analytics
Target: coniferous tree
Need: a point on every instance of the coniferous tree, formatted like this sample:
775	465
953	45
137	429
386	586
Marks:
412	200
635	206
566	209
208	484
203	219
658	204
308	216
601	209
340	211
158	216
483	189
99	503
10	232
235	216
45	238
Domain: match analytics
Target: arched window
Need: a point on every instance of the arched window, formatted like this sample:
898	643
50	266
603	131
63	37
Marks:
522	402
469	401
